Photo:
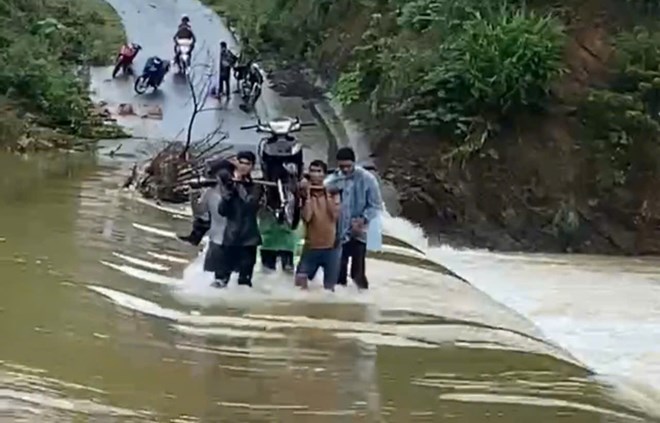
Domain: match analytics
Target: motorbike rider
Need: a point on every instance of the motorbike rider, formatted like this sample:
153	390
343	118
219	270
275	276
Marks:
227	62
158	68
184	32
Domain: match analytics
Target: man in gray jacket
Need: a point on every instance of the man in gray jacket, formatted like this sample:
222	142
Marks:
207	218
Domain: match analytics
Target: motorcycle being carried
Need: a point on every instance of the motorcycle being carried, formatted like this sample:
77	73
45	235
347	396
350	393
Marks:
152	75
281	161
182	59
124	60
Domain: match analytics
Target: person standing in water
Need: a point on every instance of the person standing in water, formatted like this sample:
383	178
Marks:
208	219
278	241
239	205
360	203
320	213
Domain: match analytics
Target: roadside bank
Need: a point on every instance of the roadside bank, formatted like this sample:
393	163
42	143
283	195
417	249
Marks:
48	47
569	169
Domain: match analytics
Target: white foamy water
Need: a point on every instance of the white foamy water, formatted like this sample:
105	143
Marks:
604	310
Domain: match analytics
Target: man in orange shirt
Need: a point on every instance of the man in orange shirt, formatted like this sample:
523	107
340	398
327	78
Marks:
320	212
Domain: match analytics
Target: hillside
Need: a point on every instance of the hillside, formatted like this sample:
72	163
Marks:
504	124
45	46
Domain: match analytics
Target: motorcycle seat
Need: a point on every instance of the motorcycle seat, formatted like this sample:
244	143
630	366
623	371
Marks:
184	42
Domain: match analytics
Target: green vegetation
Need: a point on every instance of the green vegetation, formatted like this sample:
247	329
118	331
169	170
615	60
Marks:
623	120
45	46
431	63
543	117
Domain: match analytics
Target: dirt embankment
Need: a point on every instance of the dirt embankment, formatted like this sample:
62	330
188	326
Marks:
532	186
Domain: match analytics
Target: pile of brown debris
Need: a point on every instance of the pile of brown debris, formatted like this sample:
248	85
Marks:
175	172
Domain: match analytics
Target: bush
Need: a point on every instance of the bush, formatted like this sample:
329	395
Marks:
41	45
468	63
622	122
495	67
432	62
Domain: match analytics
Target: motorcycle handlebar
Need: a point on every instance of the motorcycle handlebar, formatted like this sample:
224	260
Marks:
256	126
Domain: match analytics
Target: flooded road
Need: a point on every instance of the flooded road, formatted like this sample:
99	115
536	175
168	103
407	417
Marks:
98	322
105	316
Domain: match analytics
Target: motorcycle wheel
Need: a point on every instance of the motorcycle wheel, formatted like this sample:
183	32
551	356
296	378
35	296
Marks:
115	71
290	210
141	84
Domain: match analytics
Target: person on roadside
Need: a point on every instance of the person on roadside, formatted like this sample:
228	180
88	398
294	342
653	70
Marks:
239	205
248	74
227	62
320	213
360	203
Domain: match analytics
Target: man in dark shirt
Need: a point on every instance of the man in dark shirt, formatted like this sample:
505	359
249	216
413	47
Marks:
239	205
227	62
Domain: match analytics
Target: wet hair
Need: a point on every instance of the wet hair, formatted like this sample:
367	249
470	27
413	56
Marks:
346	153
223	44
216	166
246	155
321	164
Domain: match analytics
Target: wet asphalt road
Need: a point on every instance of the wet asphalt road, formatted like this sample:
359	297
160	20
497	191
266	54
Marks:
152	25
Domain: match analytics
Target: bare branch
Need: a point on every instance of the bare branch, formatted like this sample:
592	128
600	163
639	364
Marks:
172	170
210	109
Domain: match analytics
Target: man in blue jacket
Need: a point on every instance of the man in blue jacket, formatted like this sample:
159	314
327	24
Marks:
361	203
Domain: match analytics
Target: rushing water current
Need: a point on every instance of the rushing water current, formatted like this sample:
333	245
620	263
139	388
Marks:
105	317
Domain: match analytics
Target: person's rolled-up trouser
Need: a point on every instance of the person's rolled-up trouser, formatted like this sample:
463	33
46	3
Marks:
327	259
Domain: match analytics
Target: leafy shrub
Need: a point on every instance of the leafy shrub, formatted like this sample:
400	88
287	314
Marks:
42	43
492	68
436	62
622	122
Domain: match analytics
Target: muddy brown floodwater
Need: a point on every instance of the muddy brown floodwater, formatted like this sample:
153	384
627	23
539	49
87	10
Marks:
98	324
105	317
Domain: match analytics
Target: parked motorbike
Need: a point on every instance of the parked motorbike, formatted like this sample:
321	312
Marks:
183	47
281	161
152	75
124	60
249	90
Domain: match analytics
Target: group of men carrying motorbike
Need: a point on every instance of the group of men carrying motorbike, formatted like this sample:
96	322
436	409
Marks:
246	72
337	209
241	214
